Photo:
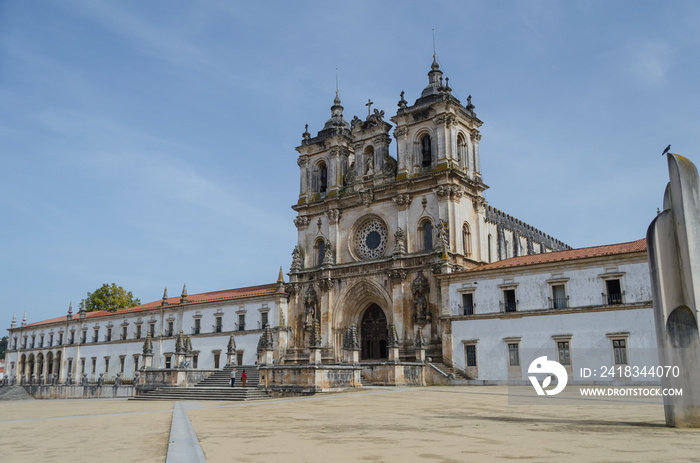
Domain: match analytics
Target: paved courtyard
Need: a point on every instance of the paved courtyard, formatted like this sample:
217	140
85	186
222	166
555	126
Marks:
440	424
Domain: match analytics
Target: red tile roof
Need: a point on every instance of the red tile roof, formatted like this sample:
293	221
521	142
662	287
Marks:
227	294
568	255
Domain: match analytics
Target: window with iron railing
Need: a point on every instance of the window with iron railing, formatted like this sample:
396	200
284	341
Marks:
241	322
219	324
615	295
197	326
509	303
559	299
467	307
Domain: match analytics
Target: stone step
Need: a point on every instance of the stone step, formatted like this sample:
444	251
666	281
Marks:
212	393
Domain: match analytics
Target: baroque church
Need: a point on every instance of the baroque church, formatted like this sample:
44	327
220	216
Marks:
401	271
375	228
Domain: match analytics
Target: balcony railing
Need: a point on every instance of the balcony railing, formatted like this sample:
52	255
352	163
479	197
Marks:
510	306
467	309
613	298
559	302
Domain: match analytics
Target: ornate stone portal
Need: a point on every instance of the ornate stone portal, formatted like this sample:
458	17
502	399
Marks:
673	242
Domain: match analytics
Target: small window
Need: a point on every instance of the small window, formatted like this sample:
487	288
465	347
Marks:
41	341
84	337
509	301
94	365
426	151
168	362
466	239
50	340
264	319
563	352
620	351
489	247
471	355
320	252
106	364
136	362
108	337
241	322
138	331
426	231
170	329
152	329
124	333
121	365
614	296
323	178
462	151
217	357
559	300
82	366
513	355
96	338
195	361
219	324
70	366
72	337
197	325
468	304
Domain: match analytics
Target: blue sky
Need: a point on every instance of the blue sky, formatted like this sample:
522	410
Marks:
151	144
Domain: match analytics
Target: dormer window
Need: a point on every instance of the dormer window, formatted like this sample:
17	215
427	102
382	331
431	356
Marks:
426	151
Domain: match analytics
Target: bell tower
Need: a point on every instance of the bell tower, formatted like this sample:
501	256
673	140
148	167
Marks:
374	228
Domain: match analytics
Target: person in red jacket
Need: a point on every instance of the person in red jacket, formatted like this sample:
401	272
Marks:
244	377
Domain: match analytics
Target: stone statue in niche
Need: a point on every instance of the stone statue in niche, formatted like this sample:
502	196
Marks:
370	165
310	307
420	289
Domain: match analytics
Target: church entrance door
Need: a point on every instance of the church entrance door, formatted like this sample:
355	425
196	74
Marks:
373	332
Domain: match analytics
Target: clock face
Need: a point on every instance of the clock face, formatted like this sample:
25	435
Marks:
371	240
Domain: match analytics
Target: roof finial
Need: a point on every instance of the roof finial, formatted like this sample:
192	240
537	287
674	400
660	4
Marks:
24	319
280	278
183	296
165	297
14	320
434	53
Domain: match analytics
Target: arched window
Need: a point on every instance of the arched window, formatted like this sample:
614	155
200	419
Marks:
489	246
425	231
462	158
320	251
323	178
467	239
426	150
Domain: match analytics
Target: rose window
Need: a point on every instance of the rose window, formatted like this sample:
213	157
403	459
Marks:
371	240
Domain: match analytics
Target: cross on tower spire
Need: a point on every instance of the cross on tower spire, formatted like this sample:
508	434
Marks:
369	106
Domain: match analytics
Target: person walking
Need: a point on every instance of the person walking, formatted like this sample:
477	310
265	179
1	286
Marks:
233	377
244	377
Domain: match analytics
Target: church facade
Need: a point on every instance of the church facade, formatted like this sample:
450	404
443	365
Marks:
396	245
374	229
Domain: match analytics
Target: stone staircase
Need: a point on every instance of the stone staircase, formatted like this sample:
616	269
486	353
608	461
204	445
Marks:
215	387
449	371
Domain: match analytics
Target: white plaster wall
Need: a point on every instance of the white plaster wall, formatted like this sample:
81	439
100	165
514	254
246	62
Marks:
589	344
584	287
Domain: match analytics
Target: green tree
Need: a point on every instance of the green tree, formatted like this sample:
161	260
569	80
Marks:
110	298
3	347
